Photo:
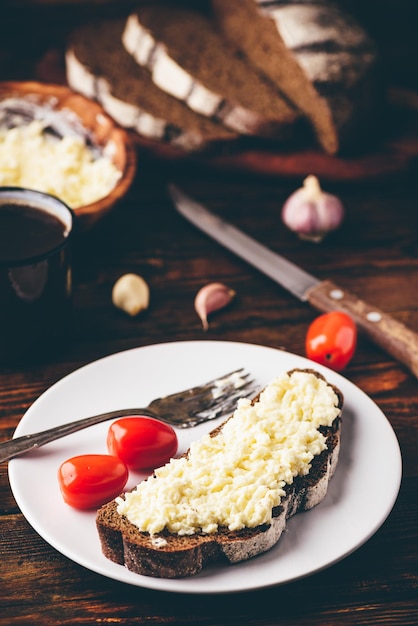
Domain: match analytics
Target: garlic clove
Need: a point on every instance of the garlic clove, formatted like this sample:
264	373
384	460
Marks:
210	298
130	293
311	212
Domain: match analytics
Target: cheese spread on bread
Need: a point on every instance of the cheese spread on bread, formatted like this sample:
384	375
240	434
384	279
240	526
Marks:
234	478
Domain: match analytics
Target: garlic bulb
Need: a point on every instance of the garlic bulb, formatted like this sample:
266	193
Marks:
131	294
210	298
311	212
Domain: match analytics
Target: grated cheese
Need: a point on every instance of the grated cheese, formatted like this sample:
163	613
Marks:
65	167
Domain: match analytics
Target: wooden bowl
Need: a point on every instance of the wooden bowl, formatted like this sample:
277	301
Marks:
90	118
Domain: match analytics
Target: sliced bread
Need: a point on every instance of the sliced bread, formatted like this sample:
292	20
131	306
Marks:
315	53
98	66
189	59
229	497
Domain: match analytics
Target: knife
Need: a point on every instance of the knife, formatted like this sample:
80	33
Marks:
324	295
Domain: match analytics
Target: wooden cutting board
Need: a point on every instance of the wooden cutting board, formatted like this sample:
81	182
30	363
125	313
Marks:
394	150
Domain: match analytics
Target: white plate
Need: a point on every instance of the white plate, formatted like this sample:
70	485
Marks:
360	496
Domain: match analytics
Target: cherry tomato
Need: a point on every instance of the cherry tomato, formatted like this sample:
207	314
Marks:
89	480
331	339
142	442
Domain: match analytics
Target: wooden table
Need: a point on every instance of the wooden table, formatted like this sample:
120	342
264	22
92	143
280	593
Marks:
374	254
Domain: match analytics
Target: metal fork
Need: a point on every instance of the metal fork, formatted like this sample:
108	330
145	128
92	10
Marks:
183	409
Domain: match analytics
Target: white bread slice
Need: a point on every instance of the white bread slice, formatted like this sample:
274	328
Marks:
316	54
171	555
99	67
189	59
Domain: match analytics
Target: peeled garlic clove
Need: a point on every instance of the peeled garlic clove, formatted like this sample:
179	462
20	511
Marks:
311	212
210	298
131	294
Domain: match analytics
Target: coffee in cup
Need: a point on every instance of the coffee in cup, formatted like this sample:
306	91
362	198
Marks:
35	274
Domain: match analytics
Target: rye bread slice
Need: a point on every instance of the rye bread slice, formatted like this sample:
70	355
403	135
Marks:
189	59
167	555
317	54
98	66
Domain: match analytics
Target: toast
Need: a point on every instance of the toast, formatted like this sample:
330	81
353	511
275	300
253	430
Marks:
98	66
189	59
169	554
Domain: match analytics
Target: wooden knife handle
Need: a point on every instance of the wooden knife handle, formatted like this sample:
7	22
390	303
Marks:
391	335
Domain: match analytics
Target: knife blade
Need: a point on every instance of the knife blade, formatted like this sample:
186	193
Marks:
324	295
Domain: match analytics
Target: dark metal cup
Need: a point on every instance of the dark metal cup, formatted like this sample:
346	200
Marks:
35	275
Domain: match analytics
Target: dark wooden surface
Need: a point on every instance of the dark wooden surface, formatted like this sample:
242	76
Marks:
374	254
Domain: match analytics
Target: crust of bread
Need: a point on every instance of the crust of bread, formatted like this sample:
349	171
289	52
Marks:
317	54
213	100
172	556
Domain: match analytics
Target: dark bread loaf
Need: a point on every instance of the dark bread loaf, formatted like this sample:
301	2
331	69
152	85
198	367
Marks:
98	66
189	58
315	53
171	555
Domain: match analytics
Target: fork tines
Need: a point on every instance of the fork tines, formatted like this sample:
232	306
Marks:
224	394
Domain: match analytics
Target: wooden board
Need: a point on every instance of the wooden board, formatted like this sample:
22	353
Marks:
394	150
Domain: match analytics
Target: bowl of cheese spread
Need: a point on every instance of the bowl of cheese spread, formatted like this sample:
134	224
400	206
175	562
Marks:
57	141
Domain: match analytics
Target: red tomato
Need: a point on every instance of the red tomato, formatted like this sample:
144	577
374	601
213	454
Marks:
142	442
331	339
89	480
